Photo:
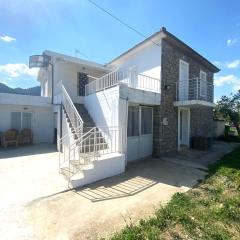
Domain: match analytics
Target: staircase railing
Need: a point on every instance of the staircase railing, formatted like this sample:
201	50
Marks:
96	142
73	115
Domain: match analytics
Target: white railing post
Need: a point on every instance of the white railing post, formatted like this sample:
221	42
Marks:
111	79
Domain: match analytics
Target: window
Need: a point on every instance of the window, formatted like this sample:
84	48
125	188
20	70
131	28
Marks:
146	120
139	121
26	120
16	120
133	121
20	120
203	84
82	81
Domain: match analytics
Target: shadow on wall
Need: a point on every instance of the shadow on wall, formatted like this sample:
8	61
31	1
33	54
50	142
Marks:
27	150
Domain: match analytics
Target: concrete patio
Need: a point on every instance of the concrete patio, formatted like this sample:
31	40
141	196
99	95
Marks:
100	209
36	204
26	173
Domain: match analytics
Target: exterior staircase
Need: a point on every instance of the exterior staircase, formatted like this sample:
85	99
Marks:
81	159
87	119
86	150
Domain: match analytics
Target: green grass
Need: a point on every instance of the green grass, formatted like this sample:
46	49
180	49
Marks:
209	211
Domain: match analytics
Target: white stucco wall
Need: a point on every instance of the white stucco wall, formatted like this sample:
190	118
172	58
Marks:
219	128
18	99
42	120
147	59
103	107
67	72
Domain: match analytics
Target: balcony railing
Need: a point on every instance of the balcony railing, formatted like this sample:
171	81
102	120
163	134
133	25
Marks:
194	89
139	81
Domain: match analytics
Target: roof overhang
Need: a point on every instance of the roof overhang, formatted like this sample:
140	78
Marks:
194	104
66	58
164	34
170	38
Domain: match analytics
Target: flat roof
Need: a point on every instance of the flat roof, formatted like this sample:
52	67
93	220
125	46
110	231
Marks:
76	60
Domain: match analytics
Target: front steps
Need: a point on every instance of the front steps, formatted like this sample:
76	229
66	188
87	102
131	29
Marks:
106	166
81	168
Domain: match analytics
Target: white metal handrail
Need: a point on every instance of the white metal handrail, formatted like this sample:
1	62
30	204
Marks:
71	110
149	83
94	143
76	131
194	89
111	79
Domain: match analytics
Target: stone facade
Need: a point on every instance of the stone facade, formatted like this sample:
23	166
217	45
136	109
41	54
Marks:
165	137
201	122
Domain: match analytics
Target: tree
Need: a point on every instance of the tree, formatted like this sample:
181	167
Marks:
229	109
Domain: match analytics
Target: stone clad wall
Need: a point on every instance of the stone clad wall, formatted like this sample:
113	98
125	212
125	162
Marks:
201	122
165	137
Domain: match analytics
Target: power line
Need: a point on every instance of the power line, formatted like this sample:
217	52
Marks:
81	53
121	21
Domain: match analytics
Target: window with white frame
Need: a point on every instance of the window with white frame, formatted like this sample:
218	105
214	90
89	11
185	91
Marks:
203	83
146	120
133	121
140	120
20	120
16	121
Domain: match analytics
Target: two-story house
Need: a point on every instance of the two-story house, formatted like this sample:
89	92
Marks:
152	99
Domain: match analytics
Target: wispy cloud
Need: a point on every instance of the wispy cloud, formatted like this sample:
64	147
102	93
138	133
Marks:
231	79
14	70
7	39
231	41
234	64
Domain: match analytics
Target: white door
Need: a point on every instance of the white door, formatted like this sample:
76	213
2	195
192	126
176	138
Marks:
184	127
183	80
140	135
133	76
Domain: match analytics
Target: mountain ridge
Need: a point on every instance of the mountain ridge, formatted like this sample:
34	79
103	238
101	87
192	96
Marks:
34	91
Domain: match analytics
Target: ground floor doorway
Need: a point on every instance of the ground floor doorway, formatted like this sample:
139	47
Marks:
139	132
183	127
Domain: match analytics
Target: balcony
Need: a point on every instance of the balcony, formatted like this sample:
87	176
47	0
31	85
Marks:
194	92
136	81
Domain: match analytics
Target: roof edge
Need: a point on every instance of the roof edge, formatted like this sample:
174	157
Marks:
184	45
166	34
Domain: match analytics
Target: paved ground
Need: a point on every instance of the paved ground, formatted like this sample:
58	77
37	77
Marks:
32	206
26	173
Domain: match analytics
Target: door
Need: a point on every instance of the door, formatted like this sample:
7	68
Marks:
133	76
82	81
140	135
184	127
183	80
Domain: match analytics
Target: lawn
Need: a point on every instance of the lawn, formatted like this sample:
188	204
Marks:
209	211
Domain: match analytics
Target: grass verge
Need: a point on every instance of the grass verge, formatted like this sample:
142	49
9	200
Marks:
209	211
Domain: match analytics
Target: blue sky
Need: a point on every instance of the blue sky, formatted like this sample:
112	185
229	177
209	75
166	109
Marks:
28	27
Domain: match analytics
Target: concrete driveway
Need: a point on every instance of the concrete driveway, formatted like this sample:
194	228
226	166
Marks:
35	202
100	209
26	173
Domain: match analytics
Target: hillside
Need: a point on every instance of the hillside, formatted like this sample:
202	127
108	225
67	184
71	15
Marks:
35	91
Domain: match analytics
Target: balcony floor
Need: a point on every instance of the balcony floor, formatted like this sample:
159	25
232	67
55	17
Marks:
140	96
193	103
